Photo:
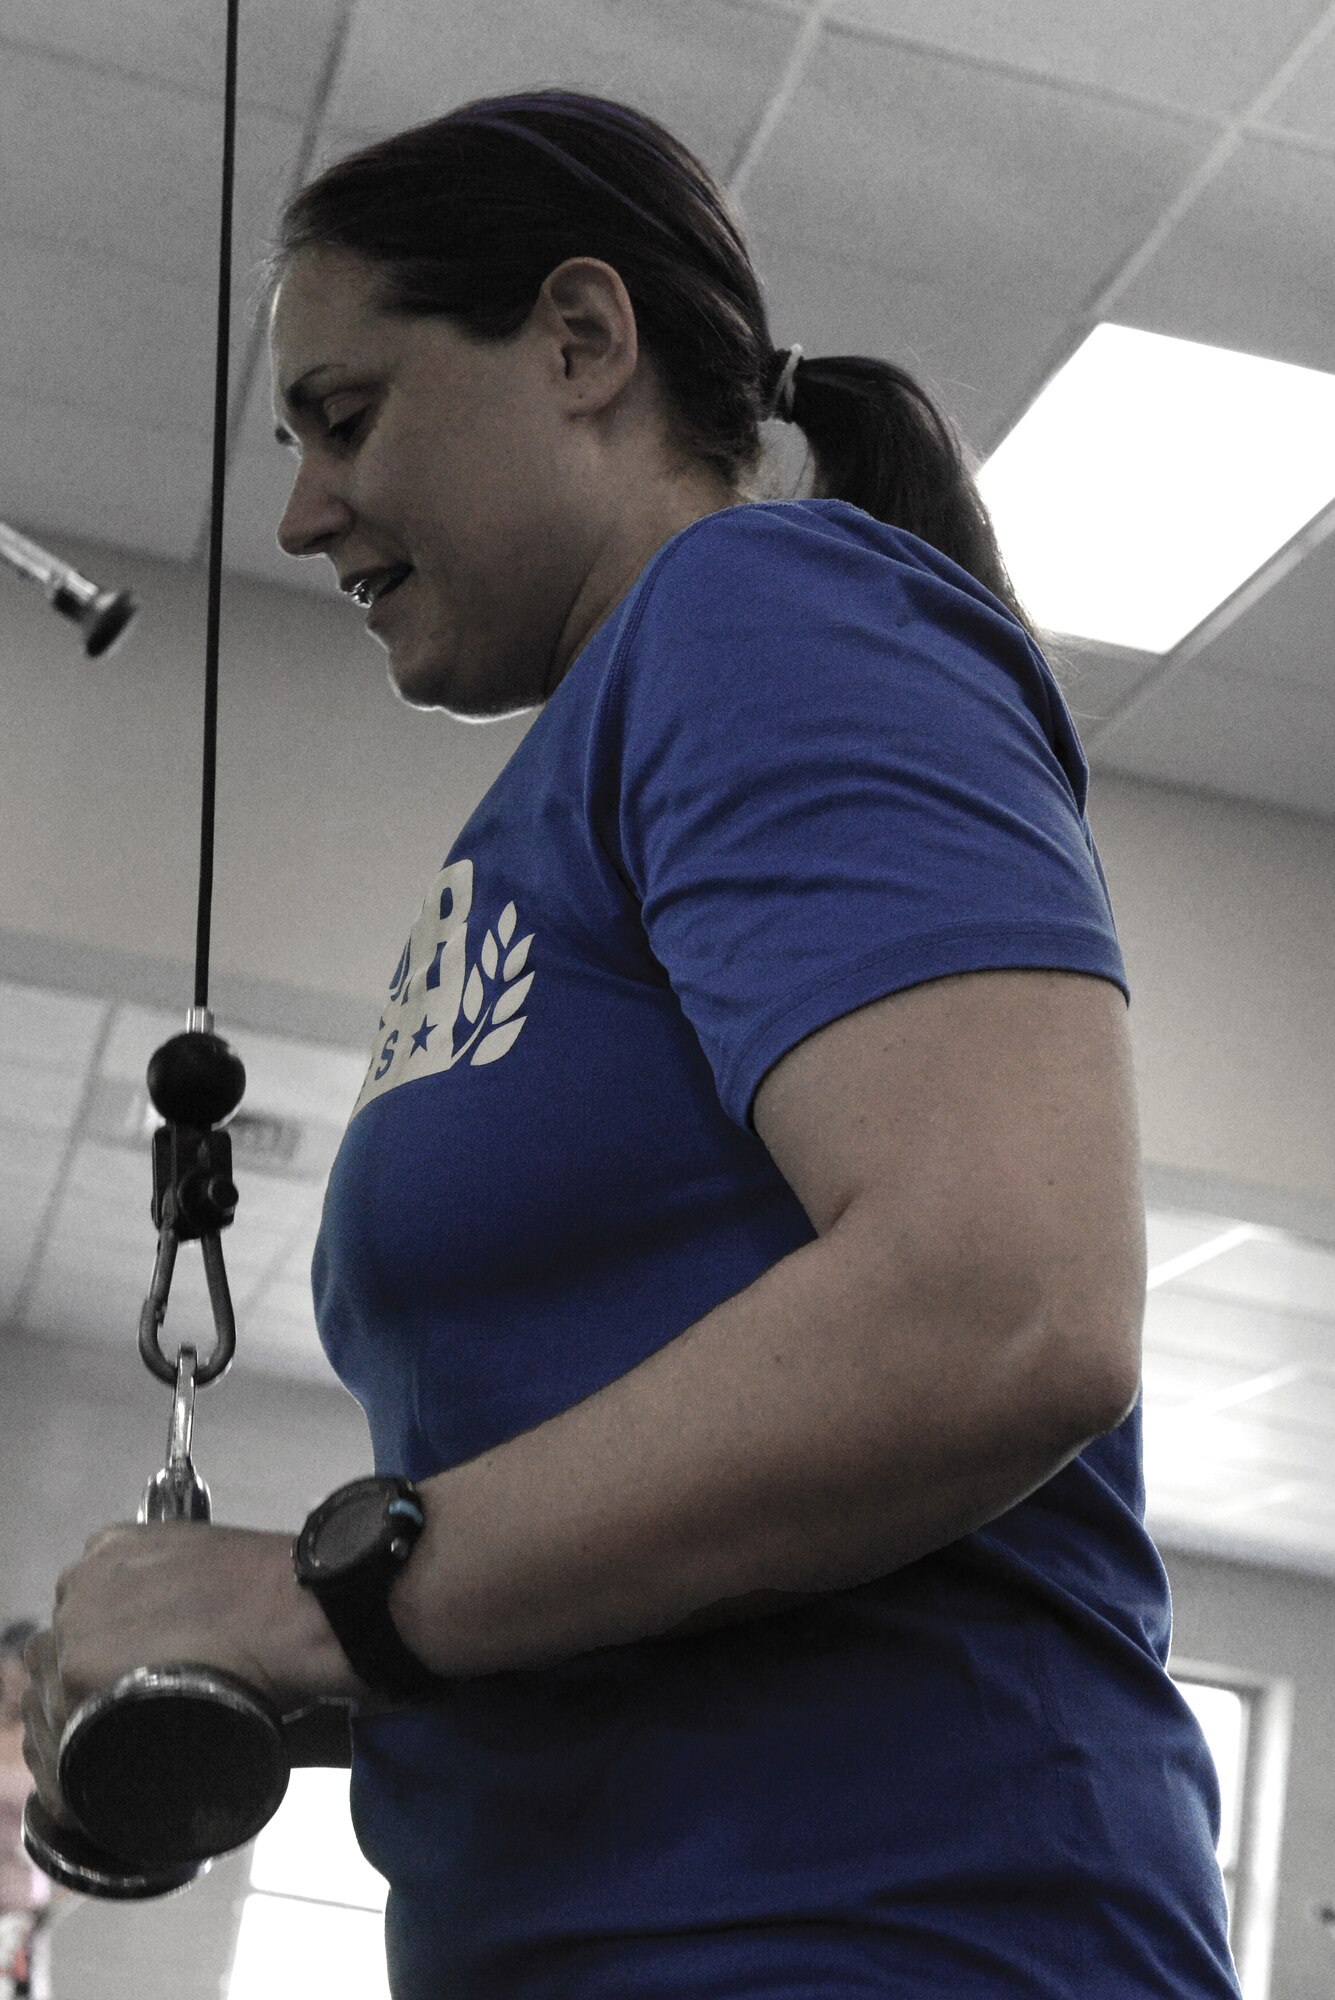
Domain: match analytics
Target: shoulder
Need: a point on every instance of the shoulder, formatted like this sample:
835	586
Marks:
777	577
782	599
792	564
796	536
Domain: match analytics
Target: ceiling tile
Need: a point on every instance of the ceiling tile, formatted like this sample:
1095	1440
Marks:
128	173
1223	733
87	470
893	157
93	1306
1311	1508
105	338
27	1184
1238	1454
1307	105
277	1347
288	1301
63	1026
1172	1231
704	67
1281	1275
1172	1378
136	1032
37	1096
296	1271
1255	1337
1292	1550
1169	1235
1095	679
994	205
280	51
1306	1403
1213	57
1285	637
29	1164
914	314
1251	265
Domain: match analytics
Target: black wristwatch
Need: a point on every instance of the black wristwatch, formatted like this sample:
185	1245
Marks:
348	1554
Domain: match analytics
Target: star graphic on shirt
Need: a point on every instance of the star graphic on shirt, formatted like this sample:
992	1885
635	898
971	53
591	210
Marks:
419	1039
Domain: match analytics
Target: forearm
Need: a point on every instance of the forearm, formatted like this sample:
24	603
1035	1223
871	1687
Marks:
810	1433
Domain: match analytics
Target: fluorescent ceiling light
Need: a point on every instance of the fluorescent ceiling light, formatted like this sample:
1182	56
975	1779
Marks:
1151	478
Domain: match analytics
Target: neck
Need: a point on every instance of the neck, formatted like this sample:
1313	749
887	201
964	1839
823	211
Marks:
626	551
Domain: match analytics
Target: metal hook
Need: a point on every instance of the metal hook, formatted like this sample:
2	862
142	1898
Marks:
155	1309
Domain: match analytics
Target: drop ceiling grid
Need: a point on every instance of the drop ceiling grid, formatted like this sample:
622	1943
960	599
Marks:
1273	1269
1249	265
1285	639
1212	58
1229	737
30	1164
110	243
708	67
181	43
991	205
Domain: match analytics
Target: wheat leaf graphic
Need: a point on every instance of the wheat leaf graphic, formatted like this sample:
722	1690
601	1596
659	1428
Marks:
489	955
496	1044
514	964
510	1002
472	1000
505	923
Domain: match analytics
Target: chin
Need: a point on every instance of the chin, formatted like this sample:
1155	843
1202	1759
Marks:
432	684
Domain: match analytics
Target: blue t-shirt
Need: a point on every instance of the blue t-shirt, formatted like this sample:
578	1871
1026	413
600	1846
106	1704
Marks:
805	762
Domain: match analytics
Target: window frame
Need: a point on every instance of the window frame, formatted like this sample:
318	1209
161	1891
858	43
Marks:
1252	1880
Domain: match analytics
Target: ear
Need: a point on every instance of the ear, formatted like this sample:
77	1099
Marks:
583	307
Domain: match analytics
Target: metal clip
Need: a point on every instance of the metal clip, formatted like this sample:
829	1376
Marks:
155	1309
177	1493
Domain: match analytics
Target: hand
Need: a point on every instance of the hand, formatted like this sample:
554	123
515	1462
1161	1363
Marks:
150	1596
43	1711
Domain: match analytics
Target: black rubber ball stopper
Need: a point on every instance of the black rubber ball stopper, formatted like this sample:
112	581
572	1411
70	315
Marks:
196	1079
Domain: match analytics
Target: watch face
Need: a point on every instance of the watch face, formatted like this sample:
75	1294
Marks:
353	1527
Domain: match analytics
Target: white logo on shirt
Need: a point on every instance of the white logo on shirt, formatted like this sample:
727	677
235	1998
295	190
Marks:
433	984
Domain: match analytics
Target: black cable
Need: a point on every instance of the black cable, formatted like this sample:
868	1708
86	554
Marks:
209	786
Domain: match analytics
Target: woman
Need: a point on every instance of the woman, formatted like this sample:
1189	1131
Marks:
738	1240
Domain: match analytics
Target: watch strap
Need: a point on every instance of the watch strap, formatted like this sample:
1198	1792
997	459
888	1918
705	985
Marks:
356	1603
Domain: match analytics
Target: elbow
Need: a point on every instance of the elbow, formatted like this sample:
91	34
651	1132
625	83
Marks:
1098	1356
1095	1317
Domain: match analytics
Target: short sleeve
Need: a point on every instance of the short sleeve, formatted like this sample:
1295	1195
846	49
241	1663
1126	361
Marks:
843	769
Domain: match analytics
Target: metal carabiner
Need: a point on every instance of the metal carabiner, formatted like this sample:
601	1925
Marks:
155	1309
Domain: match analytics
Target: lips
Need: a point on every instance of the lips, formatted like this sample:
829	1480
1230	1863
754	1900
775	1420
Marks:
379	583
380	588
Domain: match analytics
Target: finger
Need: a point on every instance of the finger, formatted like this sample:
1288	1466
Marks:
41	1751
101	1536
39	1655
45	1689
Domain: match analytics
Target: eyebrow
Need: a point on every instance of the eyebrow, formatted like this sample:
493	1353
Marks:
300	395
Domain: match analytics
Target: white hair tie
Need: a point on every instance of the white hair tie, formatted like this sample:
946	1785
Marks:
781	404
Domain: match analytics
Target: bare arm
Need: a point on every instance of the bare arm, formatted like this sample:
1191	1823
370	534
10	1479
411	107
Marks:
965	1322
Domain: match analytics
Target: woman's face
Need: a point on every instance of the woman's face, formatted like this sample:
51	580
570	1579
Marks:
444	463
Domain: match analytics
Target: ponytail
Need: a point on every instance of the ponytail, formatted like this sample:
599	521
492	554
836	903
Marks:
880	442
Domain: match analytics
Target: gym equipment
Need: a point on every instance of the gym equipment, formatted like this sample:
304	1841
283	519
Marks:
174	1764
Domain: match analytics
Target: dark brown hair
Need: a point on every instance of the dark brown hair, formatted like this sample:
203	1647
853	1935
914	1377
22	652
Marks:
468	214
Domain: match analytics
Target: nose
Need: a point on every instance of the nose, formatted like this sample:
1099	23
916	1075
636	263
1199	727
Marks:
315	513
